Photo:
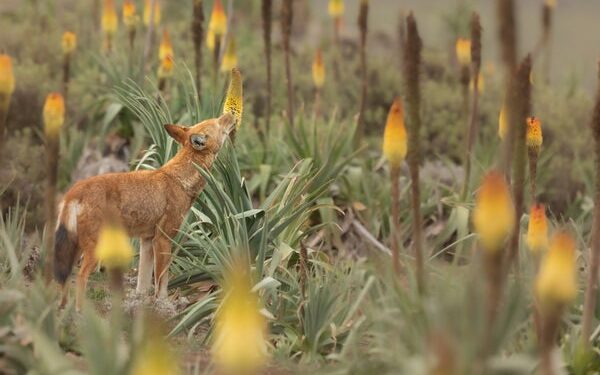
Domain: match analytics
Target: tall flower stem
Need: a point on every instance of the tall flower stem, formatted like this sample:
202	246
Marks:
412	63
363	16
66	74
474	116
395	176
198	35
149	38
267	10
521	96
592	282
286	28
52	144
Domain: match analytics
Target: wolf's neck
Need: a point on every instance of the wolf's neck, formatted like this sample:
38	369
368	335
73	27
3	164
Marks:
183	169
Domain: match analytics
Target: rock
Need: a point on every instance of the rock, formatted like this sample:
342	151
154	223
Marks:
113	158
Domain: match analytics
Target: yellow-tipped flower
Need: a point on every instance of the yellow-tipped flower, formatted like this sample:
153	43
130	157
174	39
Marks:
54	114
166	48
234	101
218	20
336	8
110	22
114	249
147	11
502	123
240	330
480	84
534	133
165	70
129	17
494	214
537	231
155	356
7	78
68	42
318	70
463	51
556	282
230	59
210	40
394	135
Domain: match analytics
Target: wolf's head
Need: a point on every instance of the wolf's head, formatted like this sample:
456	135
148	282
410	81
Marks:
204	138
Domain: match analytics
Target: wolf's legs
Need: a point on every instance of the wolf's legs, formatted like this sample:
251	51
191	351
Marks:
145	267
162	259
88	265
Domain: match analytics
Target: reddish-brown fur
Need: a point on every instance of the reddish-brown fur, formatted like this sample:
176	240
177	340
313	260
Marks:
150	204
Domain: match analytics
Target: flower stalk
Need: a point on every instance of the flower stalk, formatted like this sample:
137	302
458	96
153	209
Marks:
318	75
7	87
109	23
534	144
363	16
412	65
267	14
198	36
68	44
54	117
287	16
217	28
130	20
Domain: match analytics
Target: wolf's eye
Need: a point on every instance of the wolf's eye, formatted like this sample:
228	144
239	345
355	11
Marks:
198	141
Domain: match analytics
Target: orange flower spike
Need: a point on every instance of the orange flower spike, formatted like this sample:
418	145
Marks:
7	78
230	59
537	231
534	133
556	283
336	8
318	70
54	114
129	16
494	214
110	21
394	135
463	51
68	42
147	11
218	20
166	48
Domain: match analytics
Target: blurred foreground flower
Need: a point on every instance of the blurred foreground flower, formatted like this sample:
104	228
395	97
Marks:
502	123
114	249
68	42
463	51
318	70
7	78
494	213
166	48
148	10
240	329
556	283
537	231
155	356
218	20
394	135
109	18
210	40
54	114
234	100
336	8
230	59
129	16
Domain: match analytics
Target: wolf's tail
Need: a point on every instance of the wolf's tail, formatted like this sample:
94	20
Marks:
65	251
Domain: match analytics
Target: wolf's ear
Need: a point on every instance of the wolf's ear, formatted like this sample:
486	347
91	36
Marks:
227	121
177	132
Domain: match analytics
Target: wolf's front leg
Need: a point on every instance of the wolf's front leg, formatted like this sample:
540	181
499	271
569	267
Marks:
162	260
146	266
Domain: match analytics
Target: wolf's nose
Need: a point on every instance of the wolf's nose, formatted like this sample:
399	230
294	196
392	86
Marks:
198	141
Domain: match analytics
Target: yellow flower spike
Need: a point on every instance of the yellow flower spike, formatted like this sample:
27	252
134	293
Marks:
7	78
494	213
502	122
68	42
336	8
480	84
129	16
556	282
318	70
109	22
218	20
230	59
234	101
210	40
534	133
550	3
165	70
54	114
155	356
463	51
537	230
114	249
147	9
394	135
240	329
166	48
